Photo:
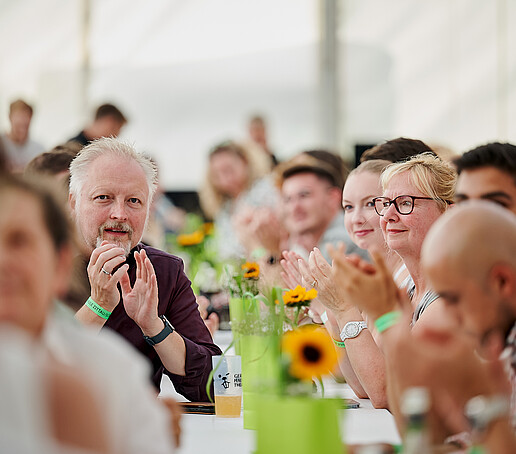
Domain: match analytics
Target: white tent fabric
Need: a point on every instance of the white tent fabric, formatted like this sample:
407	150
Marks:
189	73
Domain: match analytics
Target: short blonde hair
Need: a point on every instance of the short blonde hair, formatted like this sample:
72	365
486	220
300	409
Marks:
431	175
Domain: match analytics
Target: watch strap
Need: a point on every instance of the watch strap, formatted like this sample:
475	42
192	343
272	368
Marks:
162	335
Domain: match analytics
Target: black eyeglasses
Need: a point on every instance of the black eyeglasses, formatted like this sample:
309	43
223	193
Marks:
404	204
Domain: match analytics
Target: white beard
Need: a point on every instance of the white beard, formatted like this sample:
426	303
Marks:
126	245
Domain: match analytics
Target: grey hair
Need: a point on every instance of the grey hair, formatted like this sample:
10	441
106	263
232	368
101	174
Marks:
101	147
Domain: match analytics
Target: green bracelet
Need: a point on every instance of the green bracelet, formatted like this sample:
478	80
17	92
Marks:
475	449
94	307
339	343
387	321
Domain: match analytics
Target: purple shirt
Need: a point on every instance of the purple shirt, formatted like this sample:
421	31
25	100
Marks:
176	301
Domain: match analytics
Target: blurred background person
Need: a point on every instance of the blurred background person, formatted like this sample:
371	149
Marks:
19	147
54	163
258	138
236	183
311	186
108	122
47	407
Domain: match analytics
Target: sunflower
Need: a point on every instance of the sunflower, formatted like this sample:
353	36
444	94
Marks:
299	296
251	270
190	239
311	352
208	228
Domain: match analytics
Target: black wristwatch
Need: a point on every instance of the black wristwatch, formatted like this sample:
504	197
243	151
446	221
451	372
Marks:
161	336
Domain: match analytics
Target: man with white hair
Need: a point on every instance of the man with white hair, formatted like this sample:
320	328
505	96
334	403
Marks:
140	292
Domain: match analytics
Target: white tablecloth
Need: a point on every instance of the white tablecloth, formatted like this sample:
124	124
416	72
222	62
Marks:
209	434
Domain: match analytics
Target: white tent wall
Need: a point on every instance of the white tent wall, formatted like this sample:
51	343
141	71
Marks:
189	73
440	70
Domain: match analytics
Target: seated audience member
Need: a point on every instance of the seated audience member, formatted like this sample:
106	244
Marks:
46	407
478	287
311	186
488	172
415	193
396	150
361	362
137	291
19	147
461	387
33	226
236	185
55	163
108	122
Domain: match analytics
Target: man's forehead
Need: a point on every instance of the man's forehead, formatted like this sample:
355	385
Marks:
116	174
484	180
303	180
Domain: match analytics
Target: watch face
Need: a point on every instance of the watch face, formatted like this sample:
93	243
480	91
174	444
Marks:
351	330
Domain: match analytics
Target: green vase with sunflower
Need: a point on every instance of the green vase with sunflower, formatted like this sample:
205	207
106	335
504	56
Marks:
298	424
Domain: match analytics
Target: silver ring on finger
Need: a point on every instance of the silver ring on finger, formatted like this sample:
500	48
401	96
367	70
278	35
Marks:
105	272
314	283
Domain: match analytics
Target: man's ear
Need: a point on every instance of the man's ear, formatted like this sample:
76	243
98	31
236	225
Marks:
72	202
502	278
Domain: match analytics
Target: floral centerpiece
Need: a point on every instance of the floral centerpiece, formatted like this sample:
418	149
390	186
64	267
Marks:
195	245
279	359
296	302
307	353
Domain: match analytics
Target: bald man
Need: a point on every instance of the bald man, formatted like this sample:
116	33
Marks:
488	172
469	257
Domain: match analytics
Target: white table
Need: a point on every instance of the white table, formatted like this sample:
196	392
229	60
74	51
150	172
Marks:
207	433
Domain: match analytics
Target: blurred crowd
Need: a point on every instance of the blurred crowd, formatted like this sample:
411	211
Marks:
412	252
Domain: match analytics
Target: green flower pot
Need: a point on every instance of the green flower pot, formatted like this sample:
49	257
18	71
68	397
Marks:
298	425
260	372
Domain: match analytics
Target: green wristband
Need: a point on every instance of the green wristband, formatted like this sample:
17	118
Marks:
387	321
94	307
475	449
339	344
